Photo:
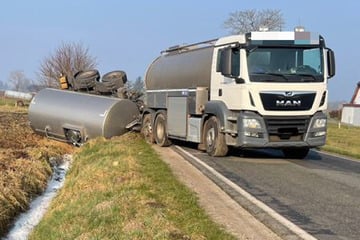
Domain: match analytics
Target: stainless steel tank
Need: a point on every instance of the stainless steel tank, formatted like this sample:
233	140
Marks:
76	117
18	95
183	68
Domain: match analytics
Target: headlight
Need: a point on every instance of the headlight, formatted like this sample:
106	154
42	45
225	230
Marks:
319	134
320	123
251	123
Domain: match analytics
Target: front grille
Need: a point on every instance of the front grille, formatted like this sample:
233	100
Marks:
287	101
287	128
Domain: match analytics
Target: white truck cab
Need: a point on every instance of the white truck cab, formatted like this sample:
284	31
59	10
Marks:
256	90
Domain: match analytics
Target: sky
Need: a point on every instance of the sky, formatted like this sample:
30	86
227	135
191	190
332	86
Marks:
129	35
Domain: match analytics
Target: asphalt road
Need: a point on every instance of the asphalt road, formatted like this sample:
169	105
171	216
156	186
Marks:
320	194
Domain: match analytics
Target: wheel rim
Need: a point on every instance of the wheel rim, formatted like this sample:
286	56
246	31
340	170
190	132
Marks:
210	137
160	131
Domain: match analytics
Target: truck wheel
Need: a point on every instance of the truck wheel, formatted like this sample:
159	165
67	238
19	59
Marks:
86	79
88	74
115	75
160	133
214	140
295	153
147	130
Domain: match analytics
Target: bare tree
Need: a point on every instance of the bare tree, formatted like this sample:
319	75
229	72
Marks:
139	86
253	20
18	80
67	60
3	85
136	88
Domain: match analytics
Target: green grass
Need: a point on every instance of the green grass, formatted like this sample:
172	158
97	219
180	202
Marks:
10	105
121	189
344	140
7	102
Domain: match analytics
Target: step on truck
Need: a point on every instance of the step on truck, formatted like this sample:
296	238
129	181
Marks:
254	90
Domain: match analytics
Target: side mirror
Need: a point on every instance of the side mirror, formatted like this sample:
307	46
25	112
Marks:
331	63
225	62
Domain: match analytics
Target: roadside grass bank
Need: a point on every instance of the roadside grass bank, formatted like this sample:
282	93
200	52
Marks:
121	189
344	140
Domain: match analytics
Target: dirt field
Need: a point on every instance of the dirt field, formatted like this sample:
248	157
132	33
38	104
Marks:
24	163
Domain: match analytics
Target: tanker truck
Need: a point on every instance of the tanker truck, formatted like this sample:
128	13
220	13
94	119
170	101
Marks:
254	90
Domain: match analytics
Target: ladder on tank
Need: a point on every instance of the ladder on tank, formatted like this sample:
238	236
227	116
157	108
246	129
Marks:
189	47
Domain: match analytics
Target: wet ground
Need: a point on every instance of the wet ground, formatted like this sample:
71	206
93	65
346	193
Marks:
26	222
24	164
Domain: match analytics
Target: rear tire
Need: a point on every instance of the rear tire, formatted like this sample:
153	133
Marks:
160	130
88	74
147	130
86	80
118	77
214	140
295	153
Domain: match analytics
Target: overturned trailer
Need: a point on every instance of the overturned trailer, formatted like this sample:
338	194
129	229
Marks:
76	117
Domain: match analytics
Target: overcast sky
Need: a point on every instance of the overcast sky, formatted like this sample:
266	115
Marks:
129	35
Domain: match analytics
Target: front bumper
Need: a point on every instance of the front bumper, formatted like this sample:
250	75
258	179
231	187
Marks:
281	132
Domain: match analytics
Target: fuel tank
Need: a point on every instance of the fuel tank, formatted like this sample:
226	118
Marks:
180	69
76	117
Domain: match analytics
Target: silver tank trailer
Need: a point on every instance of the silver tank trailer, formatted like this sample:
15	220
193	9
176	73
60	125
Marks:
76	117
180	69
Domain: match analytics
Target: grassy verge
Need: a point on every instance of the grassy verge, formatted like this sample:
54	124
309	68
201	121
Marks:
344	140
121	189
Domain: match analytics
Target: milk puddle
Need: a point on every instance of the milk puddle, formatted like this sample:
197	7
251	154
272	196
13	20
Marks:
28	220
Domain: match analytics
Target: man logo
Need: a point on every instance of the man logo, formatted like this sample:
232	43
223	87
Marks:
289	94
288	103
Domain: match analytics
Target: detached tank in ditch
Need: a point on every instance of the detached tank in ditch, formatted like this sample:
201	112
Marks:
75	117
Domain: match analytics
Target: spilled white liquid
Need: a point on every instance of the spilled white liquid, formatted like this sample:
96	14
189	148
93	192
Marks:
38	207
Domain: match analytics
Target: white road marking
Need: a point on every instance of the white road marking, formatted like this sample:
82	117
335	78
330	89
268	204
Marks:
337	155
291	226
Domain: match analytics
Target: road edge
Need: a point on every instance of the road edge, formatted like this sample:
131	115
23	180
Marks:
219	205
276	222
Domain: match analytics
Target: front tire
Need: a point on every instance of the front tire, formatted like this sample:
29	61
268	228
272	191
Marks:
214	140
160	130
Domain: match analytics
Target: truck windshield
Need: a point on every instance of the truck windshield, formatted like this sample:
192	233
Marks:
285	64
